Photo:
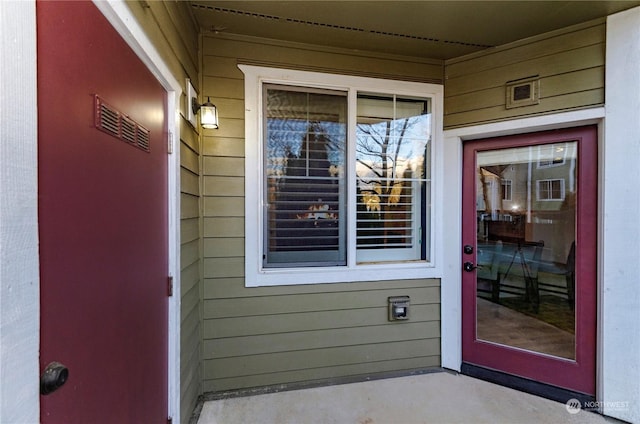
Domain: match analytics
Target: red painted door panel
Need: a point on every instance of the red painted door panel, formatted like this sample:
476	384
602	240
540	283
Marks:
103	224
530	224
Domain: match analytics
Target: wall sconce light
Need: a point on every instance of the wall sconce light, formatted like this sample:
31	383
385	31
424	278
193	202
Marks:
208	113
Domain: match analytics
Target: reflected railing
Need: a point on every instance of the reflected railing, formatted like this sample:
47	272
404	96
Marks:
524	301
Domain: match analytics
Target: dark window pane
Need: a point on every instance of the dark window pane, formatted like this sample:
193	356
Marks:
305	189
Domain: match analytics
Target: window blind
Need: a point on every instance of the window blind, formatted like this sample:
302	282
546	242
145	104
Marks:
305	149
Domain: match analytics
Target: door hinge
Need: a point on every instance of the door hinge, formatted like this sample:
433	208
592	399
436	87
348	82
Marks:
170	286
169	420
170	142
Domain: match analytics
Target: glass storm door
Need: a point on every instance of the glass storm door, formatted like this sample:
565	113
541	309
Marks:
529	255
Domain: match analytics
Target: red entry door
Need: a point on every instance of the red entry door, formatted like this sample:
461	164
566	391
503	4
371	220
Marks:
102	221
529	255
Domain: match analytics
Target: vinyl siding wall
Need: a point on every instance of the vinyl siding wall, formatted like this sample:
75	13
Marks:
174	33
569	62
255	337
191	272
234	337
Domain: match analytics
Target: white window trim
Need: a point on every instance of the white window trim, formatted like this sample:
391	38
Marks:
550	199
542	165
505	183
255	274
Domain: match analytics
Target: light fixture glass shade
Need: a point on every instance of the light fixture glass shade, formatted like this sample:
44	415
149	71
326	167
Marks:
209	115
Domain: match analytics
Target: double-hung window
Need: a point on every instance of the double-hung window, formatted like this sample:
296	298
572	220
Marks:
550	190
338	177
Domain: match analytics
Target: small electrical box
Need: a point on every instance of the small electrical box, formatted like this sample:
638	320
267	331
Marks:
398	308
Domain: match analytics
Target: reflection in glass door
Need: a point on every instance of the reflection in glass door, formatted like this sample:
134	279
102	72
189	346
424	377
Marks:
529	237
526	221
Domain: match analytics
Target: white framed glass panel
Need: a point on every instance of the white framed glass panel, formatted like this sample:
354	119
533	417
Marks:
304	213
526	257
301	179
392	177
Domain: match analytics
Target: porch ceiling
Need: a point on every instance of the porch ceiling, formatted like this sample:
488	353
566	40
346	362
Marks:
428	29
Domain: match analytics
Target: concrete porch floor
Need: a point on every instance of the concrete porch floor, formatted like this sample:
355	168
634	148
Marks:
440	397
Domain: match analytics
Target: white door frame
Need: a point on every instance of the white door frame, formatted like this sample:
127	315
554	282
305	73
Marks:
451	287
120	16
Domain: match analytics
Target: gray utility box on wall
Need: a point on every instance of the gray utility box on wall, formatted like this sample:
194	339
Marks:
398	308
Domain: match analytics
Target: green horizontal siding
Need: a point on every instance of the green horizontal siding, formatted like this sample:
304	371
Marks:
228	206
190	275
319	358
569	63
309	333
230	288
239	326
189	182
221	51
223	145
319	339
331	299
189	206
189	229
325	375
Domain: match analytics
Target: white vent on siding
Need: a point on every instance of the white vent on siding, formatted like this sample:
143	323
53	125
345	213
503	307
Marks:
113	122
523	92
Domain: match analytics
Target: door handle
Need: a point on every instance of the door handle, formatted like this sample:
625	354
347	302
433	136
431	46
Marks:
469	266
53	377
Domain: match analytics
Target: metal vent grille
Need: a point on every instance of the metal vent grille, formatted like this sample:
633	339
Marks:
523	92
143	138
109	119
128	132
113	122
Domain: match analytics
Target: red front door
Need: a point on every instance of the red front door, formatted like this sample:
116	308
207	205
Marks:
102	221
529	255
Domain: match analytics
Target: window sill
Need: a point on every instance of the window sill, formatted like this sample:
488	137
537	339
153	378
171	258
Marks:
319	275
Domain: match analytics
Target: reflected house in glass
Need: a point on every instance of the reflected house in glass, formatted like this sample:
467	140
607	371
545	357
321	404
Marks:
306	136
307	197
392	154
390	168
541	184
